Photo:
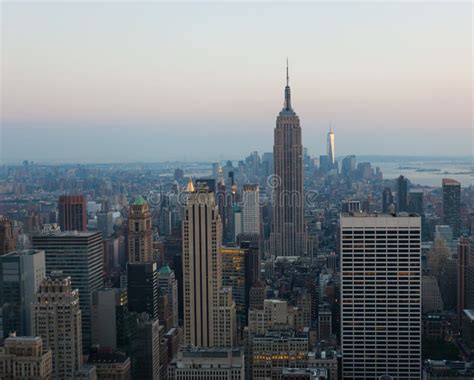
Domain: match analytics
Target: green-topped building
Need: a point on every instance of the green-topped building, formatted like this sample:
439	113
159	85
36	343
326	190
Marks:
140	245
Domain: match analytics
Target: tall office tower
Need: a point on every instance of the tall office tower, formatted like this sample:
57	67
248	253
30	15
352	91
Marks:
7	240
233	276
21	273
288	237
330	148
167	284
145	356
415	202
387	200
251	244
193	363
25	358
380	296
109	314
402	194
465	276
73	213
202	269
348	166
140	245
452	205
57	320
445	233
142	288
78	255
105	223
251	210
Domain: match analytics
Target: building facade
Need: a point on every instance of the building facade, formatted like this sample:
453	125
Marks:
7	239
140	242
57	320
21	273
452	205
72	213
288	237
142	288
380	296
202	272
207	363
250	209
78	255
25	358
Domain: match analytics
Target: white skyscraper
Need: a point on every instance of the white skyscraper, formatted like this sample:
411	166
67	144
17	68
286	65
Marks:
381	296
330	148
251	210
205	302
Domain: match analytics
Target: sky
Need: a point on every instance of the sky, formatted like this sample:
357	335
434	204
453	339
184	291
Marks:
156	81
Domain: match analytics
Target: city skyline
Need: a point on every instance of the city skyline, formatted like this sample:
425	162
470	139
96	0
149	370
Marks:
138	78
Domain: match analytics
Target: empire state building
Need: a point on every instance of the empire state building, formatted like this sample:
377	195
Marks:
288	235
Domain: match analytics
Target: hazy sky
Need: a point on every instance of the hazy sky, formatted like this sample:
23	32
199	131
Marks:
153	81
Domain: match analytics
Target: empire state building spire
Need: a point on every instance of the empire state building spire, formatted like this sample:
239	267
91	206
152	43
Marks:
287	90
287	110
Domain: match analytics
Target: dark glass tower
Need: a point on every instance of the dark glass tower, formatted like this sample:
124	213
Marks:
402	194
452	205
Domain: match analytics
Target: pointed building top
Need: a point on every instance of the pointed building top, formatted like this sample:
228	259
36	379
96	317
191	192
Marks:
330	127
190	186
287	107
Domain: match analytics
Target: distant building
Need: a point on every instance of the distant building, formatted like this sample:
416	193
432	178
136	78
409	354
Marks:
57	320
251	209
452	205
331	153
21	273
85	250
7	239
350	206
140	243
402	194
207	363
25	357
415	202
387	200
348	166
105	223
73	213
